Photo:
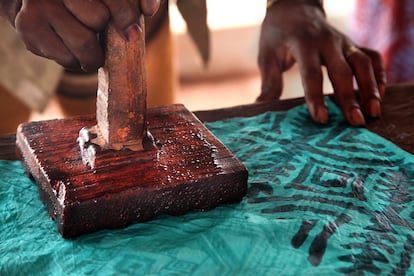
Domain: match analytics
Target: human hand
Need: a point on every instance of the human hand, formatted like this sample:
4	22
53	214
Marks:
295	31
67	31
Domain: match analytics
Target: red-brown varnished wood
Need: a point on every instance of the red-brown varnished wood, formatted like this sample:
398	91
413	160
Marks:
189	169
122	91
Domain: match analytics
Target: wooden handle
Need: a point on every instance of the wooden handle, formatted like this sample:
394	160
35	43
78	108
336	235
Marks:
122	92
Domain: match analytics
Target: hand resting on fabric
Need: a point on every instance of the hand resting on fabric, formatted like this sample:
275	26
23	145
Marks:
297	31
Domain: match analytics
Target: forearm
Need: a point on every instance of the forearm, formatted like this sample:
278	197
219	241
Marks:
9	9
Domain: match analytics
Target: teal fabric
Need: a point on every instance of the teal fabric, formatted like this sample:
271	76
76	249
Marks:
321	201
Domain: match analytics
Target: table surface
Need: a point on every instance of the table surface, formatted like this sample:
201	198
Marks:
396	123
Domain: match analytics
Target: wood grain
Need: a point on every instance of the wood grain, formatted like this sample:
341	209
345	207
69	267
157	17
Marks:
122	90
190	169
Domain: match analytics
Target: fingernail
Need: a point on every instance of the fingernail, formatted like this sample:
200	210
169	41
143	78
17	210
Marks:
154	6
356	118
374	107
133	32
321	115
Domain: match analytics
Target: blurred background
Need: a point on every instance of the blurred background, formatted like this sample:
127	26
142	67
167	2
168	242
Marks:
232	77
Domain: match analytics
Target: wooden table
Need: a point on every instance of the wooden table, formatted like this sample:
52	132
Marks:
396	123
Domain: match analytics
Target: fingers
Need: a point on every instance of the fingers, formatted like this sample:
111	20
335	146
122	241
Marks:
311	74
271	74
49	30
54	49
34	31
92	13
82	42
67	30
378	67
125	15
341	76
364	74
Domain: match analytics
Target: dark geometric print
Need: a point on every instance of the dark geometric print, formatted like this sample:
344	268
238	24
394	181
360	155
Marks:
321	201
337	179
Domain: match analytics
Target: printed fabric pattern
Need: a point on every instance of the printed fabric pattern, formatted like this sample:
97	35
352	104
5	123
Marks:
331	200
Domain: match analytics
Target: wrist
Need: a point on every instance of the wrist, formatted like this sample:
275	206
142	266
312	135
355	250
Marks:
316	3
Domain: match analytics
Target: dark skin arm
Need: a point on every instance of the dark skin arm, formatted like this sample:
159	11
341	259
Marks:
66	31
297	31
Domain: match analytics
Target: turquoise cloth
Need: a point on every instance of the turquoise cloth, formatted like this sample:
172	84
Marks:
321	201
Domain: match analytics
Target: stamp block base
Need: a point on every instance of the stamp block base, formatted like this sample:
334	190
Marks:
189	169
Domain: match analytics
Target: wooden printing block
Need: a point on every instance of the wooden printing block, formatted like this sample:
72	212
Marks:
107	171
189	169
